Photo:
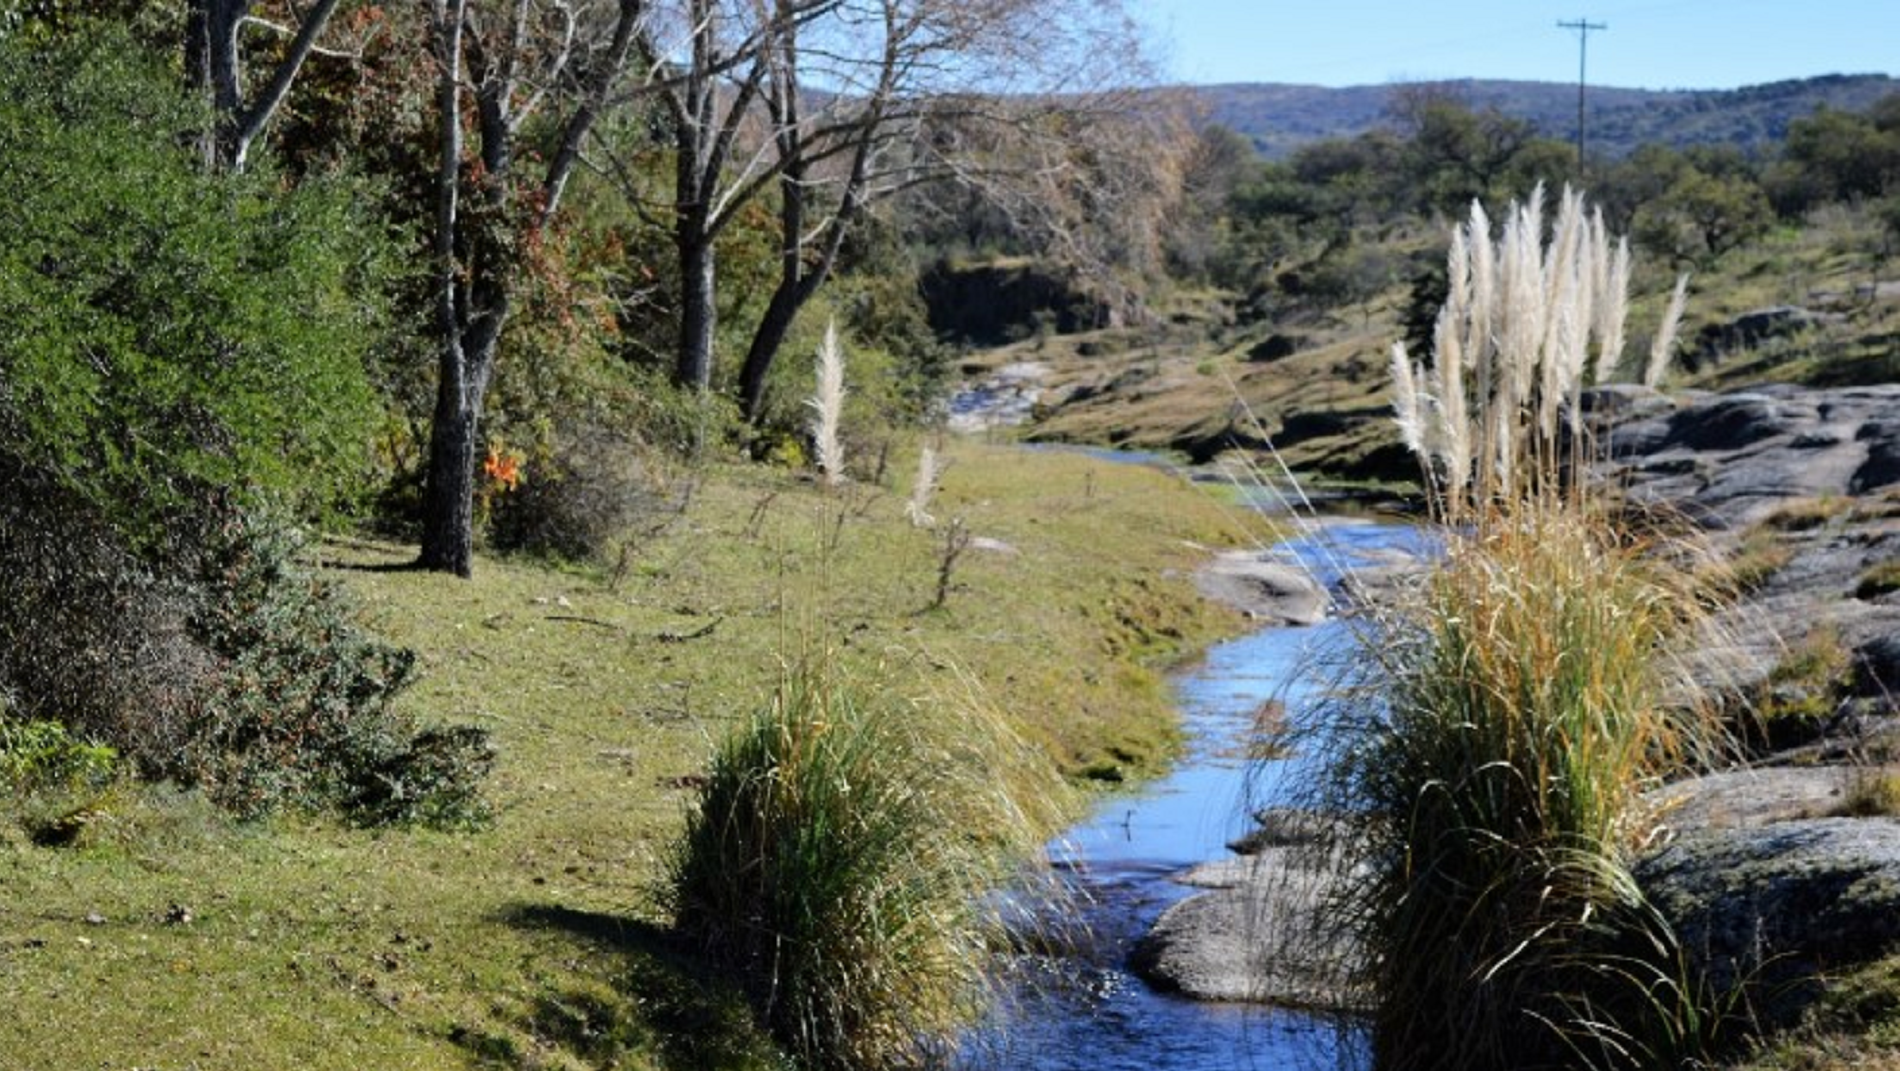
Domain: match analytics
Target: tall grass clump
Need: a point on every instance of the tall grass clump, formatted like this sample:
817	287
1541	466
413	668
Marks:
838	860
1520	703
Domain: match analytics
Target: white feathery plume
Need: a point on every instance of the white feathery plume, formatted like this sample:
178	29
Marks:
1593	270
1481	322
1564	358
1560	263
1524	314
1448	369
828	407
1665	342
1612	312
917	509
1406	409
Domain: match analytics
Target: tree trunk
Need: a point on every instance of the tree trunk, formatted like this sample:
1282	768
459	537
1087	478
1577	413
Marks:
767	340
448	514
699	313
798	280
448	509
211	68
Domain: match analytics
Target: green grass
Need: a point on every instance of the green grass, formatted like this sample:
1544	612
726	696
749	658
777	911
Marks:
540	942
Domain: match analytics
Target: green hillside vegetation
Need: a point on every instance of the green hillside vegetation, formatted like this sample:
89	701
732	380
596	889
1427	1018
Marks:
1281	119
1289	291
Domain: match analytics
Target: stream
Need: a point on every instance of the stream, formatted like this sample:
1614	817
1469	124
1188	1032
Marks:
1084	1010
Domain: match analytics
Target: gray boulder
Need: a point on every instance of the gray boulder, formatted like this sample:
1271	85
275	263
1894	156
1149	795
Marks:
1775	906
1258	936
1269	591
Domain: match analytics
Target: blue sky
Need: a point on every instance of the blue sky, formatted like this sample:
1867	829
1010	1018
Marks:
1650	44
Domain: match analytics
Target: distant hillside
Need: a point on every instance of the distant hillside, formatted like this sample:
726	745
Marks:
1281	118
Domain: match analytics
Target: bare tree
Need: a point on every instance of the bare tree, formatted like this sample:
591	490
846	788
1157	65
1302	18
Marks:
713	58
214	66
1006	97
511	61
839	103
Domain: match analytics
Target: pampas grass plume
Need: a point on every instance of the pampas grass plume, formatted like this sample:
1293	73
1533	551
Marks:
928	469
828	406
1665	344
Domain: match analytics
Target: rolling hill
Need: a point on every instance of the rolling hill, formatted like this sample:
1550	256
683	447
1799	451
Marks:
1280	118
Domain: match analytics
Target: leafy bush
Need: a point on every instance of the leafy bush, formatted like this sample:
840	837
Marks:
837	857
170	332
225	666
300	712
590	489
36	754
183	350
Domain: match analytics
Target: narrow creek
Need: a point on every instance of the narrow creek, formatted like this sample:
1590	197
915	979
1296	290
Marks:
1085	1010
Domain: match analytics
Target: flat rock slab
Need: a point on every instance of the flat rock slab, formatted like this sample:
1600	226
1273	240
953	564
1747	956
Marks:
1735	799
1268	590
1776	905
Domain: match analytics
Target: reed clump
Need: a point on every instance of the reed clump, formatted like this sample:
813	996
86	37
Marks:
1525	698
839	856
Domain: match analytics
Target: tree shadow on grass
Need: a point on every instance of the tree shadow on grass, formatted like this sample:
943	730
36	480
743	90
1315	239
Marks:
648	997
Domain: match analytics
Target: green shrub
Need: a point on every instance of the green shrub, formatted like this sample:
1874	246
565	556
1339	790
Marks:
300	713
39	754
185	354
171	334
227	666
838	856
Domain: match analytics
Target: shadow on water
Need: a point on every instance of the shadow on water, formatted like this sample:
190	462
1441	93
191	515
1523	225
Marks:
1085	1010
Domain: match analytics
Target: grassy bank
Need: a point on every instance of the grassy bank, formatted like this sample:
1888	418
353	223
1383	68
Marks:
172	938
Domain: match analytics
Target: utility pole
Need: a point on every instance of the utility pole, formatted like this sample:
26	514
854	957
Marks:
1583	28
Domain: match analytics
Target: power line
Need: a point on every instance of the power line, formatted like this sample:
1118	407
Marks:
1583	27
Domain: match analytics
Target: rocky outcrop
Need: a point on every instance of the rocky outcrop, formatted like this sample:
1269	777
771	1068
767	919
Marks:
1730	460
1776	906
1268	591
1761	884
1819	468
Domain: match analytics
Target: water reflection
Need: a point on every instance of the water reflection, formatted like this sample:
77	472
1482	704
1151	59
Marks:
1084	1010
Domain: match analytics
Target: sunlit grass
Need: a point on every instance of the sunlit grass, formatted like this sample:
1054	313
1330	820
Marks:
539	943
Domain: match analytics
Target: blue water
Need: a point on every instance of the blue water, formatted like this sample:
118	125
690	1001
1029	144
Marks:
1084	1010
